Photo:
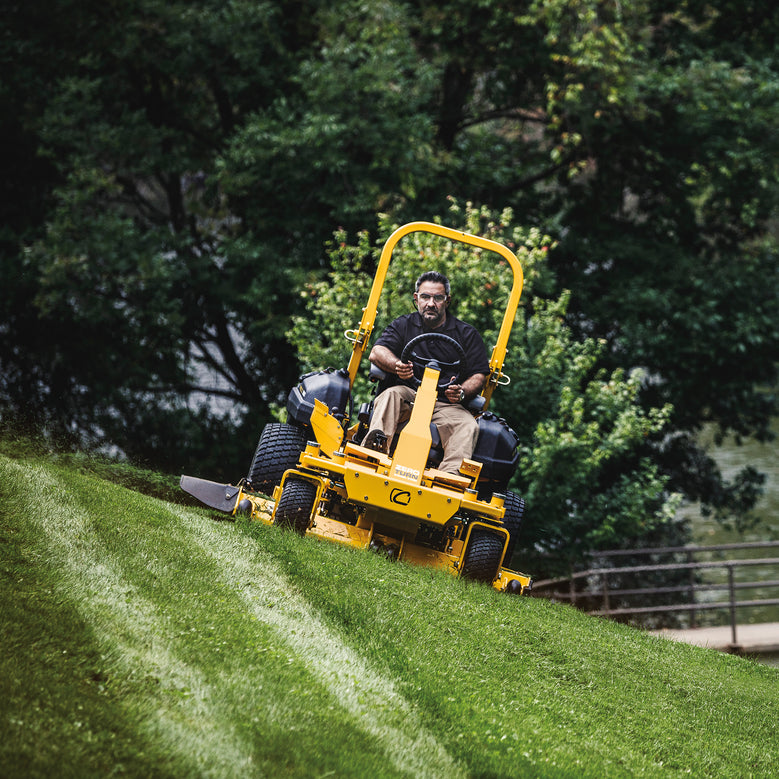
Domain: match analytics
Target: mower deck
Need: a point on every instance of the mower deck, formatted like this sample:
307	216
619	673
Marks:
234	500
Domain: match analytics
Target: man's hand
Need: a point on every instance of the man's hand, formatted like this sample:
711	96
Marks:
463	393
453	393
389	362
404	370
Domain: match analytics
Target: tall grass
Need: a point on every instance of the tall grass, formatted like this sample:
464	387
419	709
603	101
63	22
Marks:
144	638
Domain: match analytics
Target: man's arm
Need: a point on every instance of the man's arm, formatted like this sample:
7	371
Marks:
389	362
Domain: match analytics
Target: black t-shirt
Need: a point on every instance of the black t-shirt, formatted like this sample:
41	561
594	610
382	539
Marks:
400	331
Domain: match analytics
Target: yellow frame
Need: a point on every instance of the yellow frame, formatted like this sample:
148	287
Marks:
362	335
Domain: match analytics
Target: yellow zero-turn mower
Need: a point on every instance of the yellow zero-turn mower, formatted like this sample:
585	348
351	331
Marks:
324	483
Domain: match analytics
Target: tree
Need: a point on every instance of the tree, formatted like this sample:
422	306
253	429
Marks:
128	280
175	240
677	271
641	135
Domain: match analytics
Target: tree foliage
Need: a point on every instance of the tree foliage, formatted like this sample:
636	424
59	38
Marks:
174	171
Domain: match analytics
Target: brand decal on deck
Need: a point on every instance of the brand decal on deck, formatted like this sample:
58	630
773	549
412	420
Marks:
406	473
402	497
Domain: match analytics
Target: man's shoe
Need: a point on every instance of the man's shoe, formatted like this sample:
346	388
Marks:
376	440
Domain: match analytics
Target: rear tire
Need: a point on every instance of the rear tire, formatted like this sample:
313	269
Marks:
296	505
512	519
278	450
481	560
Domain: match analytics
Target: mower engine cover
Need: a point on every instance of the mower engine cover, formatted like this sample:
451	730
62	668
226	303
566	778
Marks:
496	449
330	386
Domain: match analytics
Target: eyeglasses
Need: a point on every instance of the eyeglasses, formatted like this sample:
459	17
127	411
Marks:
425	298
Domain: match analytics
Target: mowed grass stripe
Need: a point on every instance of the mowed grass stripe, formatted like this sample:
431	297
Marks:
253	686
253	698
130	631
372	700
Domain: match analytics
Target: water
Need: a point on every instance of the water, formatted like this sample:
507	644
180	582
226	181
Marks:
731	458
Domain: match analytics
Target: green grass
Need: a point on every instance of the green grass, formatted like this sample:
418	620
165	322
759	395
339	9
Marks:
145	638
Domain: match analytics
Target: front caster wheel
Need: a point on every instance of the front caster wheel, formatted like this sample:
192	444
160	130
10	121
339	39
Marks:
296	505
481	561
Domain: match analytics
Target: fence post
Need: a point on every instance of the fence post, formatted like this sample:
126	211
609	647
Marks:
693	620
606	606
732	592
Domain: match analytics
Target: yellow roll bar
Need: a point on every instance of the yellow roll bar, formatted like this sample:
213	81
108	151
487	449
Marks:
362	335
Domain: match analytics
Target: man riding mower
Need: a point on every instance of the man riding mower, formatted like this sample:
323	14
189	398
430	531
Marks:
401	477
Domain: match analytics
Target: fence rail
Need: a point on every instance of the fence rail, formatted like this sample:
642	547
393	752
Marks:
600	582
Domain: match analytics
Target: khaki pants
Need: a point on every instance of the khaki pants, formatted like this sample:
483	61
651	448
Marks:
456	426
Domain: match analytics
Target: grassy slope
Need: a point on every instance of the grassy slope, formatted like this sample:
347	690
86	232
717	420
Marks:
143	638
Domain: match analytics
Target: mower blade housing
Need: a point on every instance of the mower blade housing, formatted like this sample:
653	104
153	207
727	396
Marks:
221	497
